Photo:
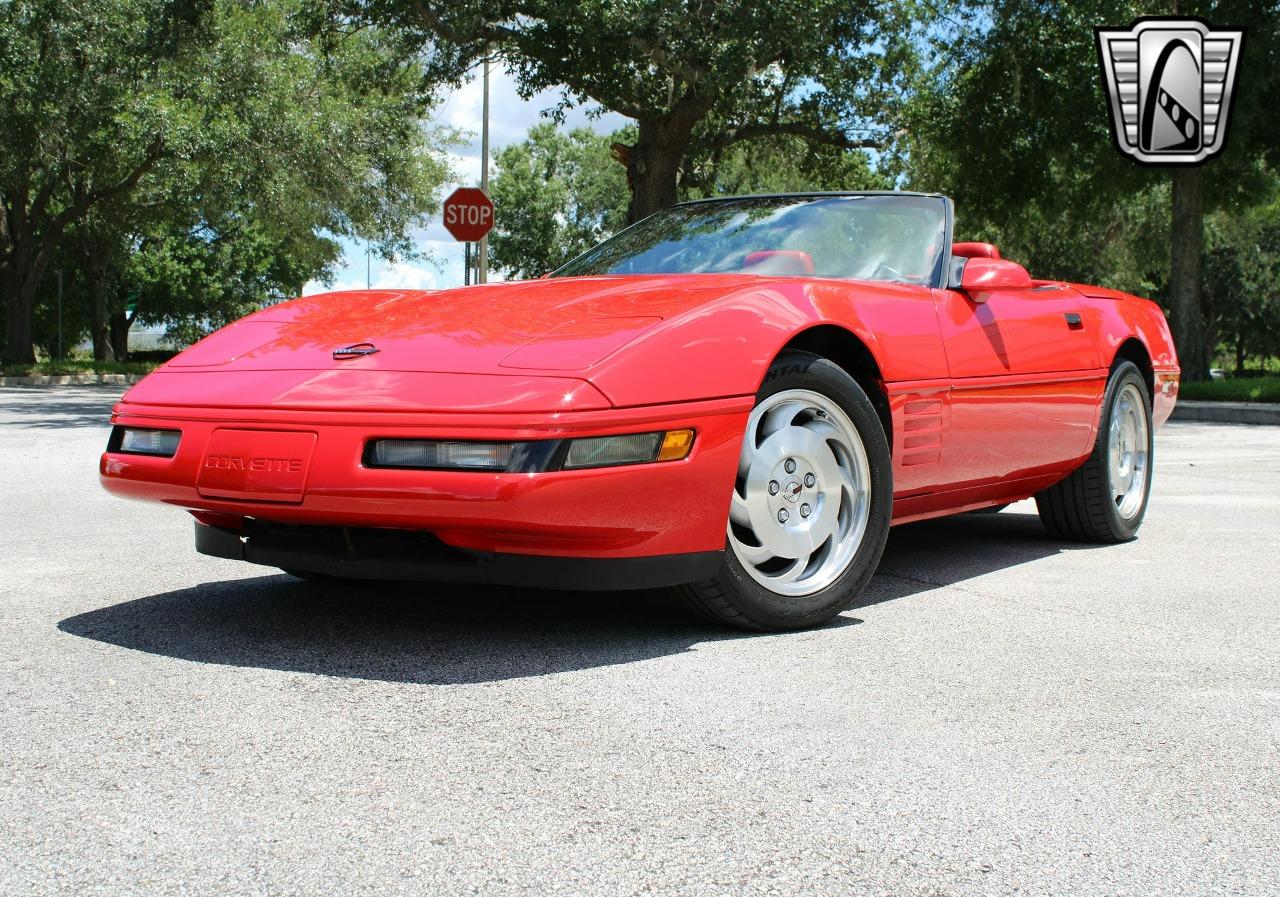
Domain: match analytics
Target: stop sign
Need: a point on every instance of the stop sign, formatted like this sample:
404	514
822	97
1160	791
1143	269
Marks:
468	214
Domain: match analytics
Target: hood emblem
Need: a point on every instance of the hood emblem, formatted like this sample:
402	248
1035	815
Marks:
356	351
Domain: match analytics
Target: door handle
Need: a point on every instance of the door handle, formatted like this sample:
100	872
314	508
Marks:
1074	321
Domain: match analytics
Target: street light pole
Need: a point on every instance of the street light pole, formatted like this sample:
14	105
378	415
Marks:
482	273
59	313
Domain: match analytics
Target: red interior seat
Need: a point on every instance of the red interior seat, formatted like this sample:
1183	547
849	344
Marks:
779	261
975	250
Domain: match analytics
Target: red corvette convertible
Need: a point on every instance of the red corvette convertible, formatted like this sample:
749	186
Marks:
737	397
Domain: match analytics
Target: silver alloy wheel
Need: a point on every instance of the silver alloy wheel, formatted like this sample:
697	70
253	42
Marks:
803	496
1128	444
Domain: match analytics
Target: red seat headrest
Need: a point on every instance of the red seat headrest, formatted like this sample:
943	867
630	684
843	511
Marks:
778	261
975	250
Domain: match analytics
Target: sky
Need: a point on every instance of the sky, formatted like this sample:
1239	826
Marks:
510	118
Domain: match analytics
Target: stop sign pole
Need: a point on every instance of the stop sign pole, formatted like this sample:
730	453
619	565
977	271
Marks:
468	216
483	267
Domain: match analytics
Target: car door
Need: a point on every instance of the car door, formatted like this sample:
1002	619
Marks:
1025	381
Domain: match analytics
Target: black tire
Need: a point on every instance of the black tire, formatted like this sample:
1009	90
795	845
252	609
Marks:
1081	507
733	597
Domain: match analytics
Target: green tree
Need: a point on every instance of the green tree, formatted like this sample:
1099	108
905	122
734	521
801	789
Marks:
696	76
557	195
196	275
123	118
1242	281
1011	119
780	164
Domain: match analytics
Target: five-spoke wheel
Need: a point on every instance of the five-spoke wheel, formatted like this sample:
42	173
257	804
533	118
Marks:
1128	449
809	511
802	499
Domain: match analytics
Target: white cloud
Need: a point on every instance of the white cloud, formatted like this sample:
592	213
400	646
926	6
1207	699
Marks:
510	117
380	274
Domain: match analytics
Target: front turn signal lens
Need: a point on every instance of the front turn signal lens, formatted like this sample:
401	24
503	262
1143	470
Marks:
612	451
633	448
676	445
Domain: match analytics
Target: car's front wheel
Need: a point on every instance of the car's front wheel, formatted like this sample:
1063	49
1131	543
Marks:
810	510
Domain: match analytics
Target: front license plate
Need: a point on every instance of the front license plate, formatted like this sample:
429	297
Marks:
262	465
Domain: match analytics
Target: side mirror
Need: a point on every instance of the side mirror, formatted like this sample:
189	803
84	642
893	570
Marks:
976	276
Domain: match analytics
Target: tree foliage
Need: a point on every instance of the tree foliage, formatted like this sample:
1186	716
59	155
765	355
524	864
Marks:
1020	138
558	194
697	76
1242	271
129	123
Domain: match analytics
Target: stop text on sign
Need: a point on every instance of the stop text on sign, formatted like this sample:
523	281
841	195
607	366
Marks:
468	214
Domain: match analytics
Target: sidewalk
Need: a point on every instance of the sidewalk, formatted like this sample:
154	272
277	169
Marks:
71	379
1227	412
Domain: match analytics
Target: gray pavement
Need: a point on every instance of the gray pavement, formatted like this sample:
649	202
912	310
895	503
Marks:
1007	714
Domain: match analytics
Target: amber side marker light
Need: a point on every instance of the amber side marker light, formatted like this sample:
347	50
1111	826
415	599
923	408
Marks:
676	445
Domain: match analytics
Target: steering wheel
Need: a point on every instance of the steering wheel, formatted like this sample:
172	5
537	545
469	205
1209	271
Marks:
884	272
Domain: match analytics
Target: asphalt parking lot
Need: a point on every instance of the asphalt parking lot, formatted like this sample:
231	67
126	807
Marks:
1007	714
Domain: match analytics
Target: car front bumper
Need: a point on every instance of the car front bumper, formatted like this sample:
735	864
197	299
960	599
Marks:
635	511
413	555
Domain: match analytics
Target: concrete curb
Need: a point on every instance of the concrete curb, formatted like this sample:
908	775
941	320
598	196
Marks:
1227	412
71	379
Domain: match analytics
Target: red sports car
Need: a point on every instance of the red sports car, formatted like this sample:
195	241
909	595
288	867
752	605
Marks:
737	397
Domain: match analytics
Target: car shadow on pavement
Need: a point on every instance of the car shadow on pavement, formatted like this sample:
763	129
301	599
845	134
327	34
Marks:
435	634
950	550
429	634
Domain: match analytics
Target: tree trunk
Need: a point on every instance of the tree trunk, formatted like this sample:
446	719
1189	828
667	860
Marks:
1240	356
654	169
99	325
25	261
19	301
119	327
1184	272
653	164
18	345
95	278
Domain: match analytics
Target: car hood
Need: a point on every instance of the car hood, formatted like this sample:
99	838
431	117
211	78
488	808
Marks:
552	324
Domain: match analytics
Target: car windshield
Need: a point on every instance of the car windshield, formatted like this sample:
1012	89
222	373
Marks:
892	237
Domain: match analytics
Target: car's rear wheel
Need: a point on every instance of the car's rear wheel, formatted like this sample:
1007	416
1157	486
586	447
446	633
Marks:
1105	499
810	510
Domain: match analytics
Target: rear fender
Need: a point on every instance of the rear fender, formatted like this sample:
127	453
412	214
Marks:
1123	317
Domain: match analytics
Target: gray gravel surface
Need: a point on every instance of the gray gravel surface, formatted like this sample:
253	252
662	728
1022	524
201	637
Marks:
1007	714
